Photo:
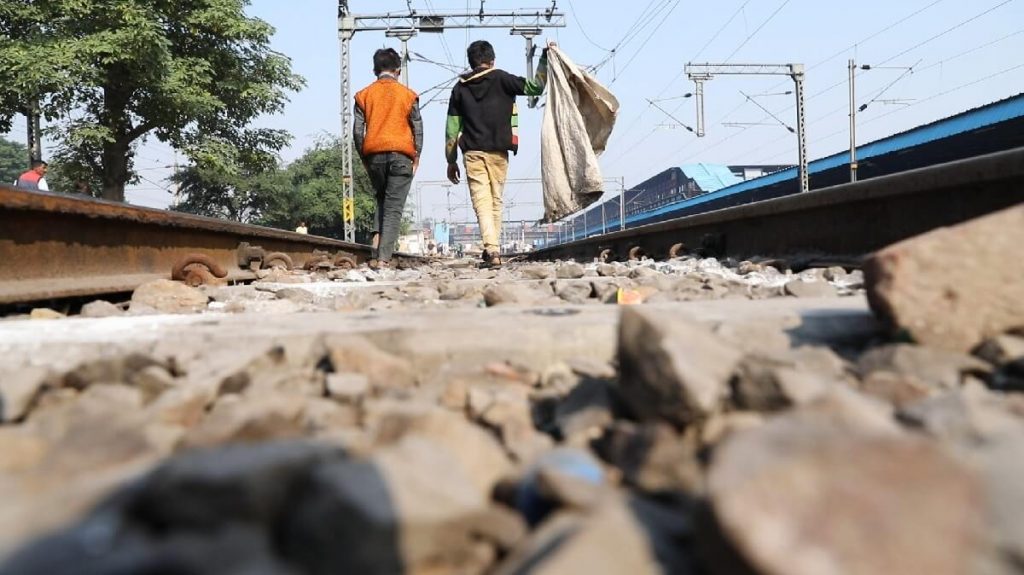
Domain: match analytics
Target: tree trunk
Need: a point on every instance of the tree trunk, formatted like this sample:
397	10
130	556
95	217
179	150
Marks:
115	171
115	151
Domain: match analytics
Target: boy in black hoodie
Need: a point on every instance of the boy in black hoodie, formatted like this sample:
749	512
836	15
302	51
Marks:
483	121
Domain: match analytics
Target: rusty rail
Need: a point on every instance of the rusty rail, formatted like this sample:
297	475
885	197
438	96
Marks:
58	246
841	222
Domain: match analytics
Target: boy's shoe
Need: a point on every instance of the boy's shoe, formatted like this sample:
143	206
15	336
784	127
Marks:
490	260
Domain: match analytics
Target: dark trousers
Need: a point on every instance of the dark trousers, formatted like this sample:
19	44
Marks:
391	177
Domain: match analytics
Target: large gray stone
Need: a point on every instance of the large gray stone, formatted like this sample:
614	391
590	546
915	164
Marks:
540	272
585	410
100	308
383	369
573	291
913	287
207	488
165	296
478	454
971	415
1001	465
781	380
516	294
810	289
607	541
652	457
248	420
569	271
672	368
404	510
809	496
934	367
19	389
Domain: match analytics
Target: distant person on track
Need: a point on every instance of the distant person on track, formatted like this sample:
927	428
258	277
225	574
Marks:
483	122
83	187
388	134
301	228
34	178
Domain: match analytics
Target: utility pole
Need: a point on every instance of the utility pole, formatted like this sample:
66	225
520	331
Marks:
853	124
853	106
701	73
404	26
346	29
34	139
404	36
622	203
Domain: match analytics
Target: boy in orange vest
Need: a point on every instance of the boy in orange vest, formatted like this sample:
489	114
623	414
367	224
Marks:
388	134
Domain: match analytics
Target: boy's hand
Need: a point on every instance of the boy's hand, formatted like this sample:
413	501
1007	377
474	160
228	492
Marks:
453	173
415	165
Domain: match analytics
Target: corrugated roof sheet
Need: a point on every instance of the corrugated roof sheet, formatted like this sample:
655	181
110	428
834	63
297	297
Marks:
1003	110
710	177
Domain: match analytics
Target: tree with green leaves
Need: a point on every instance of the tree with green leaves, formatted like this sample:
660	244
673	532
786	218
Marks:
13	160
110	73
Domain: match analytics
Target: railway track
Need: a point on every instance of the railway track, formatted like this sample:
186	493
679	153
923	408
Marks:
59	246
840	223
305	423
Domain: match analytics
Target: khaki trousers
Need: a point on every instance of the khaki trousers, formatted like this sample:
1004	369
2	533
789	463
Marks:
485	174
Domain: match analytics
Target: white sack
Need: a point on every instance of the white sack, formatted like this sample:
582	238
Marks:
578	119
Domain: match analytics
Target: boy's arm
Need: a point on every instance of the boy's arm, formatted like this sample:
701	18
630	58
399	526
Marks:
359	129
416	123
535	86
452	129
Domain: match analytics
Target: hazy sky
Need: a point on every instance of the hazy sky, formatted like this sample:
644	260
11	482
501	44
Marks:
965	54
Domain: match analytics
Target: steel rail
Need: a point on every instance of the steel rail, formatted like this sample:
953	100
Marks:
59	246
840	222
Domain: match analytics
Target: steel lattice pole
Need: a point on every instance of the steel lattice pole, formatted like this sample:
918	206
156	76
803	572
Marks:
347	179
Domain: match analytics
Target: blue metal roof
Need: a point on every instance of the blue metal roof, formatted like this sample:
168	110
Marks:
1008	109
710	177
987	115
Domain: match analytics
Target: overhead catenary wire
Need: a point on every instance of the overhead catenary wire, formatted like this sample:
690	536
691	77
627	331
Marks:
922	101
714	36
921	44
737	49
918	45
845	106
844	50
619	73
583	29
758	29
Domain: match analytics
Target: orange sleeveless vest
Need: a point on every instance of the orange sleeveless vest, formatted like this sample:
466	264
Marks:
386	105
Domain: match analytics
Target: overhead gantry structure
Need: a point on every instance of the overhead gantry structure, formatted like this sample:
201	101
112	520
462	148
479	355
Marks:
405	26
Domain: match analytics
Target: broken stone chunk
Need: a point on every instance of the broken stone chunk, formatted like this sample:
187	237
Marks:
914	289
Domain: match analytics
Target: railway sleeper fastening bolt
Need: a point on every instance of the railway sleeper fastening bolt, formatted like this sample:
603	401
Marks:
279	260
198	269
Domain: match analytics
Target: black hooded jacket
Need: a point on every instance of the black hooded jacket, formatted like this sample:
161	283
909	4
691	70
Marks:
482	114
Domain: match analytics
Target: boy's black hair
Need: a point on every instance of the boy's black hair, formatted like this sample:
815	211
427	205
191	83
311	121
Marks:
386	60
37	163
480	52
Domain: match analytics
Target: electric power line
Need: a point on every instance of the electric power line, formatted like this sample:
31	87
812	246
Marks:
583	28
638	50
758	29
845	107
720	30
918	102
